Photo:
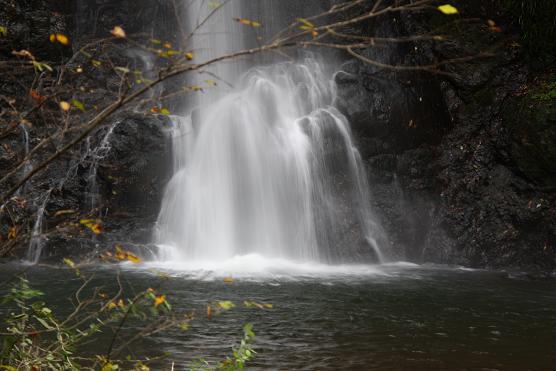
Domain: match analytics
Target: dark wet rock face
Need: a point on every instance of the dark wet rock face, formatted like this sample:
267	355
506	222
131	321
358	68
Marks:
461	167
123	190
117	175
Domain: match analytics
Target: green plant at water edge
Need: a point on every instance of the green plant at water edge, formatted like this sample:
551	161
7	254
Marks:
34	338
28	325
240	355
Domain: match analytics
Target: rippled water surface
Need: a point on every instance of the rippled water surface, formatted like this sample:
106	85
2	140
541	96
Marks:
397	316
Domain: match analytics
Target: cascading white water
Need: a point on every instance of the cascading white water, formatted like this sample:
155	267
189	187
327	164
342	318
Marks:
267	168
270	170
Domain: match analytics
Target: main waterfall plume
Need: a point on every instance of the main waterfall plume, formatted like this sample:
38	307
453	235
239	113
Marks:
267	167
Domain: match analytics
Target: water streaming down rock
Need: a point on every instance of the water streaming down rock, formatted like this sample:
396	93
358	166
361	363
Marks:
95	155
36	242
267	166
91	156
271	169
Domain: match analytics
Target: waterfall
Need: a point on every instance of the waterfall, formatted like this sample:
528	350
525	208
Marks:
36	242
268	167
95	155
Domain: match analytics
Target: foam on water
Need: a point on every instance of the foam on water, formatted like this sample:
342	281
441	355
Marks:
254	267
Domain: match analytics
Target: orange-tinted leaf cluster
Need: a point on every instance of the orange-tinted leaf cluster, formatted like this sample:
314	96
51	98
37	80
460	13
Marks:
162	111
122	255
36	96
59	38
248	22
159	300
94	225
12	233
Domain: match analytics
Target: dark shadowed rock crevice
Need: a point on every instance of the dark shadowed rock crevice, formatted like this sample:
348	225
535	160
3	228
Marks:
461	167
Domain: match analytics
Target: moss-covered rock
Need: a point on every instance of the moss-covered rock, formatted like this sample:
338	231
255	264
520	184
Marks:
531	120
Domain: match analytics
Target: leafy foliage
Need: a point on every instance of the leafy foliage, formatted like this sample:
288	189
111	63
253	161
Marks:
38	339
547	92
240	355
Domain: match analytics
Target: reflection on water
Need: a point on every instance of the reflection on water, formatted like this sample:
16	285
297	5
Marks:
397	316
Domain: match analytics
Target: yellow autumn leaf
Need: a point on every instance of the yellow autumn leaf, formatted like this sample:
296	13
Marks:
226	304
189	56
228	279
59	37
159	300
448	9
118	32
65	106
69	263
133	258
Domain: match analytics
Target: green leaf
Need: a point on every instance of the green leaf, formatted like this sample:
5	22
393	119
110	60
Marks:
248	330
42	66
44	323
226	304
306	23
122	69
184	326
77	104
